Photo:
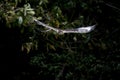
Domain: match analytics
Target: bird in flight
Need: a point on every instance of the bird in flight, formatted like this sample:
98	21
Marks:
86	29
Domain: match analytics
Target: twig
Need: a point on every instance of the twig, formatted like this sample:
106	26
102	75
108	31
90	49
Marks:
112	6
61	72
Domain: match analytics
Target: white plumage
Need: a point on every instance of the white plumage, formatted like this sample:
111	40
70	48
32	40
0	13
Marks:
86	29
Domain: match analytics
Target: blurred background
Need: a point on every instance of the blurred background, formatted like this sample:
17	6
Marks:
26	53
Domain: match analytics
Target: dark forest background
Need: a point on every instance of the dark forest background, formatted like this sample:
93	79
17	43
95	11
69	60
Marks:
26	53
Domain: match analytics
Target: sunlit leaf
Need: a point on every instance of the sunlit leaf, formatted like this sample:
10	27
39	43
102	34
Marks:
20	20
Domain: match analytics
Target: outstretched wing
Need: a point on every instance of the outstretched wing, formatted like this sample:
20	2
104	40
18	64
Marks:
80	30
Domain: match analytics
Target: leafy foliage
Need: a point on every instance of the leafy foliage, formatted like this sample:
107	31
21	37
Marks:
70	56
